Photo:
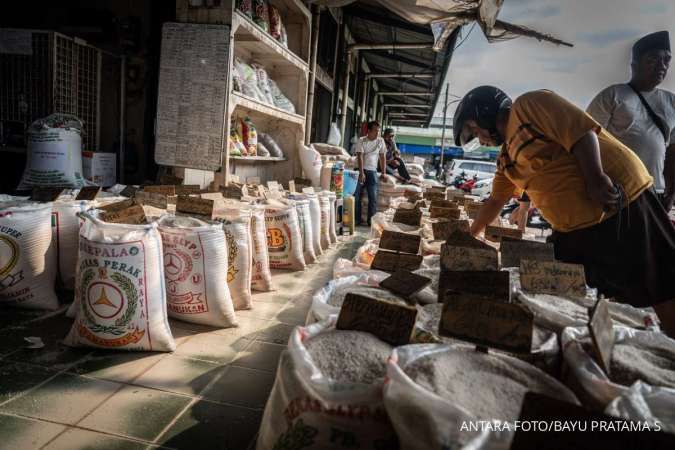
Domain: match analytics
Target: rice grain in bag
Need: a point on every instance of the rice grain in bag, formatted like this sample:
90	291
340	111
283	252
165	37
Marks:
236	220
120	291
27	255
195	268
261	279
284	239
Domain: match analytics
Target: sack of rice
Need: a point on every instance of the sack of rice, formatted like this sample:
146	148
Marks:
324	202
328	388
120	291
27	255
433	389
305	221
328	300
315	214
195	264
345	267
236	220
647	404
638	355
65	234
261	277
366	253
54	153
556	312
332	231
284	238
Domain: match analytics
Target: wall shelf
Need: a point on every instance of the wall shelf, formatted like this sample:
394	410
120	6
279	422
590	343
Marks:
240	100
257	159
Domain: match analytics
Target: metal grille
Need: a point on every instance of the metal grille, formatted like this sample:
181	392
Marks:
88	66
61	76
24	83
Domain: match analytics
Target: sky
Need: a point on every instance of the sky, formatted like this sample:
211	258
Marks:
602	32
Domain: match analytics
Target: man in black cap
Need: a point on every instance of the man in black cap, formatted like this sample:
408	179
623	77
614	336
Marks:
642	116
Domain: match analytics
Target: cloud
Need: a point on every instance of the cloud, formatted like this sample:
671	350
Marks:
559	65
602	39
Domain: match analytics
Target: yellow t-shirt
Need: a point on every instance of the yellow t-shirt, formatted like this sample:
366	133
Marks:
536	157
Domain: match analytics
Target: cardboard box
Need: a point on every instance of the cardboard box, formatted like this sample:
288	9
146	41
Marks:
100	168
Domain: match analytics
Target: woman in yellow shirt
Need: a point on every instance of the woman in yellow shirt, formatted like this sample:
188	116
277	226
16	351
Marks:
593	190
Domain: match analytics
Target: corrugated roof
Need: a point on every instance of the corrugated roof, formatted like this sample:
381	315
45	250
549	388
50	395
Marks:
370	23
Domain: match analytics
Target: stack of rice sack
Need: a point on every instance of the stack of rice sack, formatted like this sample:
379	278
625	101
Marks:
386	193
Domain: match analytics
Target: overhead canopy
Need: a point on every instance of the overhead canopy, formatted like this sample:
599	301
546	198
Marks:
433	22
370	22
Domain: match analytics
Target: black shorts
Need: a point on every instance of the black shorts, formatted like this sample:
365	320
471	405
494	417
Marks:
630	256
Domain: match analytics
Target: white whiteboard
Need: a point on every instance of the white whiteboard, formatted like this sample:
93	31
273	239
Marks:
193	75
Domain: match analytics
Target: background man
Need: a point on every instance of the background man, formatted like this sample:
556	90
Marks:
393	157
370	149
593	190
642	116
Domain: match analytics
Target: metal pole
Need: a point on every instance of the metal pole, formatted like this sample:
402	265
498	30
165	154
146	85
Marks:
123	104
445	113
309	111
345	97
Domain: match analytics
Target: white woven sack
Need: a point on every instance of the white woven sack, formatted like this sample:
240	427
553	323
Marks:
66	233
284	238
324	203
333	218
261	277
307	407
305	220
315	213
195	264
236	221
27	256
54	153
120	291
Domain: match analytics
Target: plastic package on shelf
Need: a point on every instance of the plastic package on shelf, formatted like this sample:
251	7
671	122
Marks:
271	145
278	98
249	136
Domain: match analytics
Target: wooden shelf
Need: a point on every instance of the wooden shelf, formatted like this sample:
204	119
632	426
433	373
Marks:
257	159
242	101
262	45
293	4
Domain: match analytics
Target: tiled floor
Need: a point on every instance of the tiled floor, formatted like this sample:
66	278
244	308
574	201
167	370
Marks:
209	394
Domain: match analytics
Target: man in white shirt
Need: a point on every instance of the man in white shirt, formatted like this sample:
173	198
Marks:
642	116
370	150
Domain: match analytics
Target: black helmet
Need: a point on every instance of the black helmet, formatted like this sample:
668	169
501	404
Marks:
481	104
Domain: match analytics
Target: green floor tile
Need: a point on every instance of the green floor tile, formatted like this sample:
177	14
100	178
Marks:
17	378
261	356
136	412
275	332
64	399
181	375
79	439
213	426
18	433
242	387
123	367
213	347
54	354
